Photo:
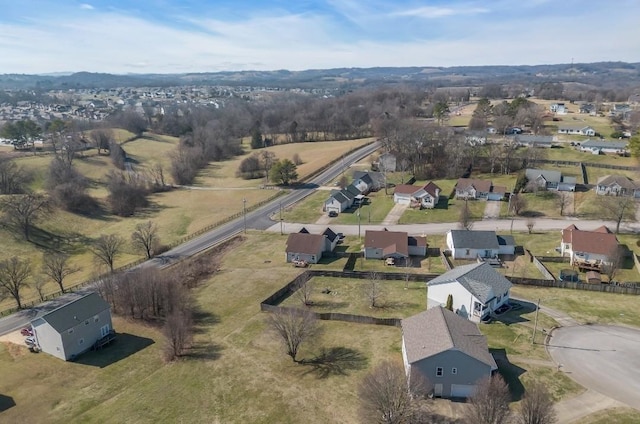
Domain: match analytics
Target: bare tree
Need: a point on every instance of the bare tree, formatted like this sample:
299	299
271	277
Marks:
178	331
39	286
12	177
612	262
106	248
530	224
387	396
293	327
24	210
14	274
297	159
102	137
518	203
146	238
536	406
564	201
56	267
490	402
618	209
465	220
374	290
304	293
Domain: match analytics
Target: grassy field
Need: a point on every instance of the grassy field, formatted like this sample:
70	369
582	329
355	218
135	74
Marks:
447	210
613	416
236	358
177	213
349	296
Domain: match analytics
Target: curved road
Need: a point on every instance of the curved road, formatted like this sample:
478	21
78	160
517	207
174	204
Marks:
257	219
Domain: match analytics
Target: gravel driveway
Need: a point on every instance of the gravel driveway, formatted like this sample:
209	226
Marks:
602	358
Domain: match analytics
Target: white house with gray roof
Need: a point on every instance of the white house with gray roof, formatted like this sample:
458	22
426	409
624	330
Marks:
72	329
550	180
446	349
468	244
596	147
477	290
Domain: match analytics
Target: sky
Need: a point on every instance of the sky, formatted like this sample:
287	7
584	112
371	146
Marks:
177	36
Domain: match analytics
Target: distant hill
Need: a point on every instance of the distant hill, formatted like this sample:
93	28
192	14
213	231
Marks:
603	74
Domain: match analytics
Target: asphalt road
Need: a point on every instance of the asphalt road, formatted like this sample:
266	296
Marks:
258	219
602	358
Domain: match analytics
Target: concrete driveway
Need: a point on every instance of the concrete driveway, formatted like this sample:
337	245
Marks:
395	214
602	358
492	210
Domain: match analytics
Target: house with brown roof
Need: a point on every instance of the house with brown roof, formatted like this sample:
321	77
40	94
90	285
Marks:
588	250
426	196
393	244
303	246
446	349
617	185
471	188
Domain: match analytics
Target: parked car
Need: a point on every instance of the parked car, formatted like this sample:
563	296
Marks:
333	214
30	341
27	331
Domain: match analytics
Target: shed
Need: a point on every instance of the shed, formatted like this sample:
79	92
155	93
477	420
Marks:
594	277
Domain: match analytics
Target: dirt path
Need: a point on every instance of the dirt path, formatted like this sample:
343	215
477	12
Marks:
491	210
394	214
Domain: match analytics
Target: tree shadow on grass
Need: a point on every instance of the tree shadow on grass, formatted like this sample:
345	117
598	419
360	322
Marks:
209	351
6	402
124	346
334	361
202	320
510	372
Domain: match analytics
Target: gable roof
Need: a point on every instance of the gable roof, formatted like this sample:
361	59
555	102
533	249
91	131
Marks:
605	144
432	188
533	139
328	233
620	180
388	241
480	185
437	330
549	176
405	189
574	127
305	243
339	196
376	177
506	240
69	315
600	241
479	279
470	239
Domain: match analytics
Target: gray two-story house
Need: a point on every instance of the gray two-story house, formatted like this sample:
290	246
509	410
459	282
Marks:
72	329
446	349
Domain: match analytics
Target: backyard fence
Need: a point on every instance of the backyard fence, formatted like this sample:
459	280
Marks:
622	288
541	267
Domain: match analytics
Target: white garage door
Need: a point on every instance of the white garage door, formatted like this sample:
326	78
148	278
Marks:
462	390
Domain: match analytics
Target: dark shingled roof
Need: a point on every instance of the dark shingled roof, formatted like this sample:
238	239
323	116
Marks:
437	330
305	243
468	239
479	279
480	185
330	234
389	241
69	315
600	241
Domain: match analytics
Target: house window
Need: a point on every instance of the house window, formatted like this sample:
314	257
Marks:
499	299
468	252
80	341
454	371
71	331
96	318
439	371
104	330
313	258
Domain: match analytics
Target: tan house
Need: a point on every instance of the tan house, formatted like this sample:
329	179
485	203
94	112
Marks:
470	188
588	250
393	244
426	196
617	185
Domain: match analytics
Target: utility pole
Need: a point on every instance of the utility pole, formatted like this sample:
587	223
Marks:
281	222
244	213
358	213
535	324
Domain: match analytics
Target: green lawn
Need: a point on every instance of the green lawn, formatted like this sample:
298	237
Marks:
399	299
447	210
620	415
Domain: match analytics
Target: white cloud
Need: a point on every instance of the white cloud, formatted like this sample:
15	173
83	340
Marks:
112	42
433	12
86	6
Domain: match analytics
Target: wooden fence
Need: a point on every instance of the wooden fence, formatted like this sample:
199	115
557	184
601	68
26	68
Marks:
628	288
541	267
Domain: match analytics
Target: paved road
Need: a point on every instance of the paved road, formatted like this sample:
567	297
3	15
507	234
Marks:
501	225
258	219
602	358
